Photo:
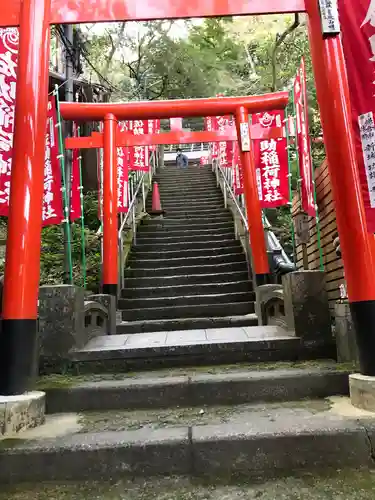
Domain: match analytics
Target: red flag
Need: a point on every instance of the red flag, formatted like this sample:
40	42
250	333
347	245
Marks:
210	124
271	160
237	170
175	124
9	39
139	154
75	193
52	199
153	128
122	180
203	161
358	36
303	141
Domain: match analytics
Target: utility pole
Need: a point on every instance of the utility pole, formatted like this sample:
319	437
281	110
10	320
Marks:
69	97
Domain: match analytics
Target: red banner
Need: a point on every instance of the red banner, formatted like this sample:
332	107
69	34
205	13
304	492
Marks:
237	170
271	160
358	36
303	142
153	128
122	179
123	171
139	154
175	124
8	65
204	160
52	200
75	193
210	124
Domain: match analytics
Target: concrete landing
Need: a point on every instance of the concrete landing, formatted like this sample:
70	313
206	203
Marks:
212	346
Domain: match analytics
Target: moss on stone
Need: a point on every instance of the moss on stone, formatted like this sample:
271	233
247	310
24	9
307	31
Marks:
60	381
124	420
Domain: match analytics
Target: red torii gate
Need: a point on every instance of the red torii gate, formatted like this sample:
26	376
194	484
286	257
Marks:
111	138
20	303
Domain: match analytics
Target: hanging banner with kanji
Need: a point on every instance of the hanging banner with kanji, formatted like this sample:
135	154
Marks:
210	125
175	124
237	170
139	154
303	142
9	39
153	128
75	194
122	172
271	160
358	37
204	160
52	199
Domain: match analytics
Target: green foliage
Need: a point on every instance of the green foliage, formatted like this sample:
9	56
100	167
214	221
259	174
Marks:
52	254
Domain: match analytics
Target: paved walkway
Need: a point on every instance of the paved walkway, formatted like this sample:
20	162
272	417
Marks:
188	338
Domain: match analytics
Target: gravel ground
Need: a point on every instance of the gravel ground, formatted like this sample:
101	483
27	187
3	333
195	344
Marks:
336	485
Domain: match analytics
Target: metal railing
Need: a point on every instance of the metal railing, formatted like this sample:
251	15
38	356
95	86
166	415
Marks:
137	185
195	147
281	261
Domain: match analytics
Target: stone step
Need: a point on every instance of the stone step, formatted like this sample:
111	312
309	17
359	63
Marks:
186	290
218	269
189	238
187	311
183	262
262	441
188	224
177	324
202	213
189	207
187	280
189	196
196	387
187	181
219	216
213	197
176	229
199	299
174	254
180	192
149	232
181	245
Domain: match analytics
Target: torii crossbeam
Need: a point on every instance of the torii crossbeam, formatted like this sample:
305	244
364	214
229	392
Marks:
111	138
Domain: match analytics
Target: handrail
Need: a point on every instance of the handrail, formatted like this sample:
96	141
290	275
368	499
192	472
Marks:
282	262
234	198
132	203
132	211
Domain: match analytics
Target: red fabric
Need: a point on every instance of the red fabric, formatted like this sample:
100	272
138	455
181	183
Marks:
175	124
139	154
303	141
9	39
237	170
122	172
358	36
75	200
271	162
52	199
210	124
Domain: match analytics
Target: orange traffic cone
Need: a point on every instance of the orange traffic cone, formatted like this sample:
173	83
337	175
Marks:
156	204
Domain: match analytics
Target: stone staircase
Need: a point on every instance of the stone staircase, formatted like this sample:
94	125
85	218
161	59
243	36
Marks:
187	270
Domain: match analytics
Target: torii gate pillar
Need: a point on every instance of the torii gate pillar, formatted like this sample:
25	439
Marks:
357	244
18	348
